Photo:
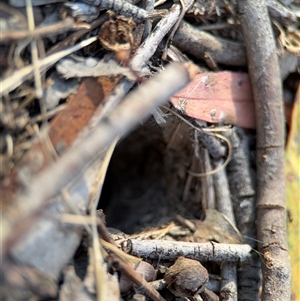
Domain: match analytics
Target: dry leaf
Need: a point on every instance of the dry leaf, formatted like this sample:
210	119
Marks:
217	227
186	277
220	97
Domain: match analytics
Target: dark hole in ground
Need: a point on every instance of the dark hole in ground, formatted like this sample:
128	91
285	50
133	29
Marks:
146	178
133	192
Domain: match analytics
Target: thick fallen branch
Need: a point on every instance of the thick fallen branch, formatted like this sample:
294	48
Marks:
267	91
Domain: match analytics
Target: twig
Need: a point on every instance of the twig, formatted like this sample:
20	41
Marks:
242	193
125	268
100	272
149	6
228	291
213	145
198	43
224	205
122	263
40	32
209	295
170	250
223	199
207	196
18	77
267	91
186	4
212	284
159	32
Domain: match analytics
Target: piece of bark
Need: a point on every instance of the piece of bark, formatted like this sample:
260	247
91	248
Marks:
218	97
199	43
169	250
267	92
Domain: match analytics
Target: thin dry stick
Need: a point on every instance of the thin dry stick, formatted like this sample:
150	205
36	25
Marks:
149	6
127	115
125	268
223	199
228	289
213	145
19	76
100	272
208	251
122	263
267	92
186	4
207	193
35	56
243	197
40	32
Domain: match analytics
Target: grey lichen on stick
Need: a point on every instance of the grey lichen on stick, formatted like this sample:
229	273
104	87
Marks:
169	250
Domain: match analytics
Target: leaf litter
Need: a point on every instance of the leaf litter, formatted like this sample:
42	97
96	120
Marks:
50	101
